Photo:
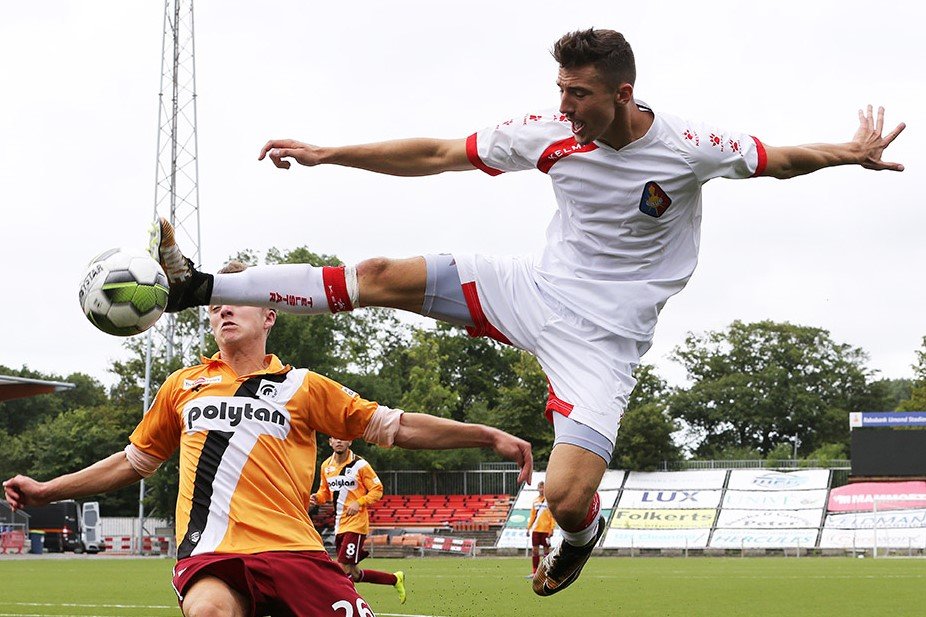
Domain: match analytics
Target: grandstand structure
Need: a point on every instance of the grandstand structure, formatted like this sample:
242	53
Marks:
755	511
21	387
710	511
14	525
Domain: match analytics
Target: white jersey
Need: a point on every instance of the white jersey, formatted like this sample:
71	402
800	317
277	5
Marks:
626	232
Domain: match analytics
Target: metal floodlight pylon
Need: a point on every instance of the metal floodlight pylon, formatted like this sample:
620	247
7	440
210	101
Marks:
176	193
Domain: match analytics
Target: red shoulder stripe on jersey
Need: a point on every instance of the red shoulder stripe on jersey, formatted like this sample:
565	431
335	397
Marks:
482	327
559	150
763	158
473	155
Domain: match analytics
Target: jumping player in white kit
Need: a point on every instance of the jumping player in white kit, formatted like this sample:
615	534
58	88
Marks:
624	239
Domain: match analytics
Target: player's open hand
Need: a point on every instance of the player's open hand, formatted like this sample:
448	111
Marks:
21	491
869	137
280	149
352	508
517	450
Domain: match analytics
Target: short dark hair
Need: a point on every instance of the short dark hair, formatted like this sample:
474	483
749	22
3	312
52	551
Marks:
607	50
233	266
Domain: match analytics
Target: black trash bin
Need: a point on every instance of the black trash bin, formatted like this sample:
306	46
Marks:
36	542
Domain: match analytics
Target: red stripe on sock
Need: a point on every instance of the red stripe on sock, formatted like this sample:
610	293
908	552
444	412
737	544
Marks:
336	289
594	510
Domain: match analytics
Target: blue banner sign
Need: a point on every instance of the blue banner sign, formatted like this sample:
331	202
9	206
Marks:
887	418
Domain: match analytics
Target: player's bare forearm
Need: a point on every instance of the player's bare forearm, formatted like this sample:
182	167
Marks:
404	157
788	162
419	431
865	149
103	476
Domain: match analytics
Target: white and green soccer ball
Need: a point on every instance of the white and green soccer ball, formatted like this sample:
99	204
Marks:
123	292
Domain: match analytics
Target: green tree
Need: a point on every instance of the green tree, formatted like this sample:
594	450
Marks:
71	441
521	407
645	438
21	414
756	386
917	399
829	452
888	394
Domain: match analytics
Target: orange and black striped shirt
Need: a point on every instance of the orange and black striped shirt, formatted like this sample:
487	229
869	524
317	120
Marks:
247	452
351	481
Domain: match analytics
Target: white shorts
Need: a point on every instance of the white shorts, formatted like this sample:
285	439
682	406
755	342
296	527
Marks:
590	369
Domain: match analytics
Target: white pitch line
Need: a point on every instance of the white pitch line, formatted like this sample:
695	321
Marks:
405	615
75	605
56	615
137	606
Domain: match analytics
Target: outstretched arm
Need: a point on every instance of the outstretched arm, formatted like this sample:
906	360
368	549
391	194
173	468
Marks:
103	476
419	431
865	149
404	157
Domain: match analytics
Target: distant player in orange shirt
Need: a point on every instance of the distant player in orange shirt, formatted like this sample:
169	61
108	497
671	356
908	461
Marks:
539	528
350	482
245	425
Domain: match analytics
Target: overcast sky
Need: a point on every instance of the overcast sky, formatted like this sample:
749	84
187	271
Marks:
842	249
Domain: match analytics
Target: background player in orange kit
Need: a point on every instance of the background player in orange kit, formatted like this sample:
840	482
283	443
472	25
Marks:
539	528
246	427
349	481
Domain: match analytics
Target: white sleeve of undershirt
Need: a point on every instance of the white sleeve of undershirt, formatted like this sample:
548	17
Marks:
144	464
383	426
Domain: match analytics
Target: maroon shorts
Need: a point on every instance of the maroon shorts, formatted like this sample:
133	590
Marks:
350	547
299	583
539	538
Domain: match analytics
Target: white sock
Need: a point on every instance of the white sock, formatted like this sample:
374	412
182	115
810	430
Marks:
582	537
292	288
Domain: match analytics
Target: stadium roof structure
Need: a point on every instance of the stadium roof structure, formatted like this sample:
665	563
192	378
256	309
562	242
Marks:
21	387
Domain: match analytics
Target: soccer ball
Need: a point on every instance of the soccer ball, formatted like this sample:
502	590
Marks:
123	292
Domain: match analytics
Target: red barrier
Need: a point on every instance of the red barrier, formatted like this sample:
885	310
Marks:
460	546
12	540
123	544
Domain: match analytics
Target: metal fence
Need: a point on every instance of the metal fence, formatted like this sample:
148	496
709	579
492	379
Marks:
8	515
502	478
472	482
755	464
840	468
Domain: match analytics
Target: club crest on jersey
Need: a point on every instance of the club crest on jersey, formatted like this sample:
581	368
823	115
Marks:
200	382
268	390
654	201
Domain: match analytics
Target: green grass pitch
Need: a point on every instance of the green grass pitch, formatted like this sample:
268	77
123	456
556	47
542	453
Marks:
451	587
